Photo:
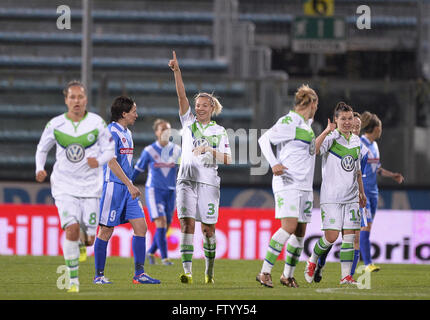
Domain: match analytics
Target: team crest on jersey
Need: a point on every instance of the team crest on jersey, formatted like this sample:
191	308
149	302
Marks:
312	147
75	152
348	163
200	142
91	137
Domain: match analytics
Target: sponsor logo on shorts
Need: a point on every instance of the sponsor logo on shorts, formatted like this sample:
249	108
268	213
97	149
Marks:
75	152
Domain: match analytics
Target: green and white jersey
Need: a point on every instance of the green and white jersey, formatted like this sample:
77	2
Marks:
340	165
295	149
75	142
201	168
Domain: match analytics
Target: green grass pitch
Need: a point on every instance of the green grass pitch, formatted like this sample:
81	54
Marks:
33	278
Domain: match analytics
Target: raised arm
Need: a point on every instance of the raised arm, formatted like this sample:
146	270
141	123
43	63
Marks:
180	88
320	139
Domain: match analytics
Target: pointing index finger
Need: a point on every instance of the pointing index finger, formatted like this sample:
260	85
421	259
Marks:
174	55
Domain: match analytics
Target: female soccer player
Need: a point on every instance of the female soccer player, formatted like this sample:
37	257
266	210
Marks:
204	144
83	145
356	128
160	160
120	200
293	172
372	127
341	190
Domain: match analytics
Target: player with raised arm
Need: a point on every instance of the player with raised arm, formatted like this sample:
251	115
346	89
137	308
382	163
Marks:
372	128
83	146
120	200
363	160
204	145
160	160
293	173
342	191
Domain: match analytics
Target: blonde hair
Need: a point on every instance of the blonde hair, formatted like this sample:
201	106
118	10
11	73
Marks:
157	122
213	101
369	121
304	97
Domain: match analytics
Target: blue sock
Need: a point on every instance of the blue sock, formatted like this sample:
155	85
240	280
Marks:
355	261
162	242
365	247
138	245
323	257
100	249
154	245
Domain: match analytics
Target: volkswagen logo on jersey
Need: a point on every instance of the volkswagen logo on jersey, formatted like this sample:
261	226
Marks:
312	147
75	152
200	142
348	163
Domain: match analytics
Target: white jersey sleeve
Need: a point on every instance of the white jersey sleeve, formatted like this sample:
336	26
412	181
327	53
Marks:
106	143
188	118
328	142
266	149
284	130
46	142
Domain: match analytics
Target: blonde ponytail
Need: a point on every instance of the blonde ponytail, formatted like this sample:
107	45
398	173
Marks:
304	97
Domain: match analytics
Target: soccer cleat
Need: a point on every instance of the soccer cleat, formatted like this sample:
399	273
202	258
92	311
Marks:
74	288
209	279
82	253
186	278
166	262
101	280
265	279
143	278
151	258
372	268
289	282
348	280
318	272
310	271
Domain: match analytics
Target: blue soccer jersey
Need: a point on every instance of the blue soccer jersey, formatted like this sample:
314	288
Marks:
123	152
161	164
373	164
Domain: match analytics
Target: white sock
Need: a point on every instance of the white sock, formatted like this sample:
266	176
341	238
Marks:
274	249
294	249
346	254
187	250
209	247
71	257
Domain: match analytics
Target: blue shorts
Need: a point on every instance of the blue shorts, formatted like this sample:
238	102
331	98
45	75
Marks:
117	206
160	203
371	205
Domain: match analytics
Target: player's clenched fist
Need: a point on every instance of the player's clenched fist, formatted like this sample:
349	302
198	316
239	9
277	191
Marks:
173	63
41	176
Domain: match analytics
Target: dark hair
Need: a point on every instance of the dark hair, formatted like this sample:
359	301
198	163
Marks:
73	83
369	121
342	107
120	104
357	115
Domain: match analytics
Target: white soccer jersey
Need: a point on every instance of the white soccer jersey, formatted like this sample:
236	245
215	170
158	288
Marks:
295	149
340	166
75	142
194	134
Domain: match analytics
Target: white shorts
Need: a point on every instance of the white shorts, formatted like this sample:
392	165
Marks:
340	216
294	204
196	200
84	211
